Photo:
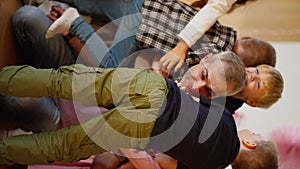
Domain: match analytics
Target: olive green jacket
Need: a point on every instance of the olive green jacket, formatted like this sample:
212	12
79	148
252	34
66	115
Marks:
133	96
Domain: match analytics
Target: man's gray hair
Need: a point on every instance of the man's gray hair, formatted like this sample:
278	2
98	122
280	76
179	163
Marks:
234	70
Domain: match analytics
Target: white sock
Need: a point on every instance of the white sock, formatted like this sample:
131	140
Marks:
63	23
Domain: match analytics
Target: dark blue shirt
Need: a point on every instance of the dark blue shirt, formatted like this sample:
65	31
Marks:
199	135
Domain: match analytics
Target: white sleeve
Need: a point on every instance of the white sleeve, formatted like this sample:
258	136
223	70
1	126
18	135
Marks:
204	19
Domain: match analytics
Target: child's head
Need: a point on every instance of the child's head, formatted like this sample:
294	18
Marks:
263	87
256	152
254	52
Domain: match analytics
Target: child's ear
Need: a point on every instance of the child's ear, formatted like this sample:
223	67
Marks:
251	102
248	144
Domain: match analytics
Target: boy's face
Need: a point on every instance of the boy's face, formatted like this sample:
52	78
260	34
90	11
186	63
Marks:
254	86
249	135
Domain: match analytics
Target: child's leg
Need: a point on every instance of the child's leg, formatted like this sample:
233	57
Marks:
30	24
30	114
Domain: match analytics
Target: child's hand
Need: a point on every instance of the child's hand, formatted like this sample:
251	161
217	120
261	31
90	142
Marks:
55	13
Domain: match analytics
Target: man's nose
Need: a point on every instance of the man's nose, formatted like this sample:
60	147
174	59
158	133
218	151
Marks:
201	88
200	84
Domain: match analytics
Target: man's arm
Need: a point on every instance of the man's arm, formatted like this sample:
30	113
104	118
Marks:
27	81
64	145
85	84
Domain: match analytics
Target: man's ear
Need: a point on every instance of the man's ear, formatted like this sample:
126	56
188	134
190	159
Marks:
248	144
251	102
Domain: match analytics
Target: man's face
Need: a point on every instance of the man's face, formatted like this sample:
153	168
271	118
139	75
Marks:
254	86
205	80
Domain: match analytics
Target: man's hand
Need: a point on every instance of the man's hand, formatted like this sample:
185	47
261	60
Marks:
175	57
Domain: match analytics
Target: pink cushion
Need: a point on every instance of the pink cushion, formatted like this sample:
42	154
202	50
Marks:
82	164
69	116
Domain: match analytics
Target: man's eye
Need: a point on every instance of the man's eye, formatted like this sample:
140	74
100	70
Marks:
209	92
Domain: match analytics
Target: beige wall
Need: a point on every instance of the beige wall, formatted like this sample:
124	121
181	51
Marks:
278	22
271	20
286	110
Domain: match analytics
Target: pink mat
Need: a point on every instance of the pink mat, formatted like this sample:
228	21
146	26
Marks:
68	117
82	164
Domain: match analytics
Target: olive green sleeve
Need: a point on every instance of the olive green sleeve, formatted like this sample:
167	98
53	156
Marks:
24	81
65	145
27	81
89	85
138	94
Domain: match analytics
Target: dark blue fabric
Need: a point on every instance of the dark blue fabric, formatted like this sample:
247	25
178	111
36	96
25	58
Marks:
232	104
207	119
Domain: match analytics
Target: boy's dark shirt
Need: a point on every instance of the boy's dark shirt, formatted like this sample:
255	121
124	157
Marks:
232	104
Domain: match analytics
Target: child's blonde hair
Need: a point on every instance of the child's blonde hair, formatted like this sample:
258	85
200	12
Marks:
274	85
